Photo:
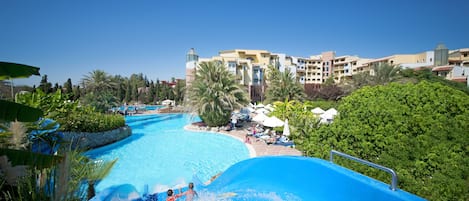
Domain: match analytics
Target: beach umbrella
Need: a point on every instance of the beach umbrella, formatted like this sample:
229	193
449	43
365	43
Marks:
273	122
260	117
167	102
286	129
262	110
327	116
331	111
269	107
317	110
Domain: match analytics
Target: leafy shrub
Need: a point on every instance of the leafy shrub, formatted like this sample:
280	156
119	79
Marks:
70	115
91	122
419	130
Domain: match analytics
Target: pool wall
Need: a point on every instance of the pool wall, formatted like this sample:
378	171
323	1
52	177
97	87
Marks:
85	140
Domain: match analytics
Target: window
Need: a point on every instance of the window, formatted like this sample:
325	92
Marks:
431	59
465	54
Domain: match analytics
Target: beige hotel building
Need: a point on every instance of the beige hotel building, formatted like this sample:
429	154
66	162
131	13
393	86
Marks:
249	66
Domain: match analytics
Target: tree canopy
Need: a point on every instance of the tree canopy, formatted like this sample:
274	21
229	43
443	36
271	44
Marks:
214	94
283	85
419	130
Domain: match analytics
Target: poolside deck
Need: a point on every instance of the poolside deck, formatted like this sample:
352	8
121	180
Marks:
258	146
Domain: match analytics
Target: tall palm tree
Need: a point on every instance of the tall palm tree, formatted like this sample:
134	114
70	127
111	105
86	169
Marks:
179	90
98	81
382	74
283	85
385	73
100	89
214	94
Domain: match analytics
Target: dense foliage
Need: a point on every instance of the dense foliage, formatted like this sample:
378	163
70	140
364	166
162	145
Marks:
283	85
301	120
427	75
104	91
214	94
420	130
26	175
381	74
69	114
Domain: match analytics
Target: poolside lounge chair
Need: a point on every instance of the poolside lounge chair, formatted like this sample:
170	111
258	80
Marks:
283	140
266	132
289	143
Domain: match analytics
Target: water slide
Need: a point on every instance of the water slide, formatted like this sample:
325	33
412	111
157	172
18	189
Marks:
283	178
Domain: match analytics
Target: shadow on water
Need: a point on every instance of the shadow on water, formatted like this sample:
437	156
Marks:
132	119
149	121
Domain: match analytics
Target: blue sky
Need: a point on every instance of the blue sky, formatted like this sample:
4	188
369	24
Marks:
69	39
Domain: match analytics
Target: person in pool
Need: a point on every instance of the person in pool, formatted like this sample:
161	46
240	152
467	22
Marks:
172	197
190	193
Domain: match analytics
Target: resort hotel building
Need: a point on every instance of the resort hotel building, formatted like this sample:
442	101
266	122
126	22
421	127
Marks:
250	66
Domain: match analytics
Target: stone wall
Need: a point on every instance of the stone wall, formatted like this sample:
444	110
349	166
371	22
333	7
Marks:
84	140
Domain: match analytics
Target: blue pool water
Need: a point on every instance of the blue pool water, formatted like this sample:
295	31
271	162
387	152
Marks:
153	107
161	154
146	158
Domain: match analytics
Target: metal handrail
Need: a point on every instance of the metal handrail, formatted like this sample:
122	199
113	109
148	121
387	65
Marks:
386	169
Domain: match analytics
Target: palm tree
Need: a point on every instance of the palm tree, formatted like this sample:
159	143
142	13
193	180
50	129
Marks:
283	85
385	73
382	74
284	109
100	87
179	90
214	94
98	81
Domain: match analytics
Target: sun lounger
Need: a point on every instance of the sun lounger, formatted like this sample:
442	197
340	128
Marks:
265	133
289	143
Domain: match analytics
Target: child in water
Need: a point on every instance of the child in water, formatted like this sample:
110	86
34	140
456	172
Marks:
190	193
172	197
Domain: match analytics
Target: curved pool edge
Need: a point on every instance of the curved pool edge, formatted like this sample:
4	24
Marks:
252	151
174	124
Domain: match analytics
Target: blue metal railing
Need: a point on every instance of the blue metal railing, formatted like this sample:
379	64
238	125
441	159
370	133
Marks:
386	169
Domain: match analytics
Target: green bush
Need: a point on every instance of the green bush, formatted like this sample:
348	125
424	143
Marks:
91	122
70	115
419	130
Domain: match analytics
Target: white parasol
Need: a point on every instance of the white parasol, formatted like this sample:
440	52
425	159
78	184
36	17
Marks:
286	129
273	122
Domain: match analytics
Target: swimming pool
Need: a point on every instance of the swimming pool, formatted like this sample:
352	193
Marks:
161	154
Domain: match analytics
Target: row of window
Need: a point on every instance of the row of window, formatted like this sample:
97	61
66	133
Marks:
314	80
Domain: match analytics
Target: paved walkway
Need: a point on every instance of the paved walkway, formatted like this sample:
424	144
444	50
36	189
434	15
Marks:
257	147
